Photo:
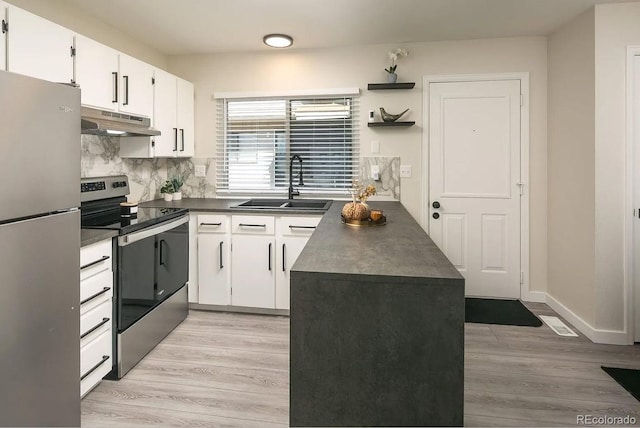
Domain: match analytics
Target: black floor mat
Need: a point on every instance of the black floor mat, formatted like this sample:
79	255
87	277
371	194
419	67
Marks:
629	379
495	311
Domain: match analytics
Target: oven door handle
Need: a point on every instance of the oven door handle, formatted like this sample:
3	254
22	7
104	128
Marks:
125	240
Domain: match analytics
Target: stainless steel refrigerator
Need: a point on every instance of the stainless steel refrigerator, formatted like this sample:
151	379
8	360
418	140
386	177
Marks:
39	252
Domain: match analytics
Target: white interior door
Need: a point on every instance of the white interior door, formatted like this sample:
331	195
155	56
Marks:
474	176
635	87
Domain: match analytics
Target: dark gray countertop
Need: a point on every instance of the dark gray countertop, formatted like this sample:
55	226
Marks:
401	248
91	236
223	205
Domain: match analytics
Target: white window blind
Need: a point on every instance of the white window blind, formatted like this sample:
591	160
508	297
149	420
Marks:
258	136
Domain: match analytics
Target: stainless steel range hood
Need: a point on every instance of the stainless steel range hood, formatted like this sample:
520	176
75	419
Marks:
113	124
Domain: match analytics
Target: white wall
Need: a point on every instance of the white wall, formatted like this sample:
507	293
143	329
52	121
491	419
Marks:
571	166
270	70
65	14
616	27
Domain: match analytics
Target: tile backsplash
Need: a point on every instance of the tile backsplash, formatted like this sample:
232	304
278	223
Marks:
388	187
101	156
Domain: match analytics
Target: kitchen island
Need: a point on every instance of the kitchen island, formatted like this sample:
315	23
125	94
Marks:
377	327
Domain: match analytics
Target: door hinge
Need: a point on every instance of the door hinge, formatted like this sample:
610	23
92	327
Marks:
521	277
5	26
73	51
153	80
521	100
520	187
153	143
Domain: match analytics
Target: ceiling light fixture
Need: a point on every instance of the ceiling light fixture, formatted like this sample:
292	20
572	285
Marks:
277	40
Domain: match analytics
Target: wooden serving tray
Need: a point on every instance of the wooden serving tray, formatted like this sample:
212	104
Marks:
365	223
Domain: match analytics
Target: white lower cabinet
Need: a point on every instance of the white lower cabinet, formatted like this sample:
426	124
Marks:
292	234
96	311
246	260
214	259
253	261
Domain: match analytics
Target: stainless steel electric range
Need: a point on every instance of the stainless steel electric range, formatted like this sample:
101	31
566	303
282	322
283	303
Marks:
151	266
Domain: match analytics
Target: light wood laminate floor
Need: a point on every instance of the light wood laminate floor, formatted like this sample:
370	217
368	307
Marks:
231	370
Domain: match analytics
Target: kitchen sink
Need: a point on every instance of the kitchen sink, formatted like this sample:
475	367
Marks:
286	204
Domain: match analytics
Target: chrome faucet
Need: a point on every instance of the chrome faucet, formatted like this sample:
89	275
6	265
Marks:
292	192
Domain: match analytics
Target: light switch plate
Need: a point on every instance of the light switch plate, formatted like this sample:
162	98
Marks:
200	170
405	171
375	146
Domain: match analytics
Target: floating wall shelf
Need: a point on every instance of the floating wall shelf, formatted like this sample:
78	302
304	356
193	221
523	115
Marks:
378	86
376	124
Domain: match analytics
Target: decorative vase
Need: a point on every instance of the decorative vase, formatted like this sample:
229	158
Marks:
168	197
392	77
355	211
177	196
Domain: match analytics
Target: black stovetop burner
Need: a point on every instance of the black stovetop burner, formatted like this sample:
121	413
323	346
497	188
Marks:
112	219
101	198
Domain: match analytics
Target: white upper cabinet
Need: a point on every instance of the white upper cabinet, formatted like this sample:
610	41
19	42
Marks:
173	115
3	36
186	125
165	112
97	73
112	80
37	47
136	86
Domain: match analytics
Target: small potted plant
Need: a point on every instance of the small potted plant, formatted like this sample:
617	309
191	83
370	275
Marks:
167	190
394	55
177	182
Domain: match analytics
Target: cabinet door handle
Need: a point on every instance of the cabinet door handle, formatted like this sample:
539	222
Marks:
284	257
269	256
251	225
182	139
93	369
221	266
161	252
125	82
292	226
98	294
115	86
175	139
95	262
92	329
210	224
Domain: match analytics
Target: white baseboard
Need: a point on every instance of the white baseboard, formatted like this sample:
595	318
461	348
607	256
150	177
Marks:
534	296
609	337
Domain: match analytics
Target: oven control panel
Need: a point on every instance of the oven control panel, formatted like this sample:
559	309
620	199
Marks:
95	188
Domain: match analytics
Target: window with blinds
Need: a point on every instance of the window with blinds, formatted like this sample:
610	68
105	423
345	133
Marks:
257	138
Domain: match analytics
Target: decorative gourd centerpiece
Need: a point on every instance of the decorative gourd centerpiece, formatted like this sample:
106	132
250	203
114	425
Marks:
358	208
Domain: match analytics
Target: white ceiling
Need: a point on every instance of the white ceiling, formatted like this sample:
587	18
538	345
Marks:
205	26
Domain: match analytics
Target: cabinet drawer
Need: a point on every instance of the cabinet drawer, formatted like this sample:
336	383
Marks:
253	224
95	361
96	290
95	258
213	223
299	226
95	322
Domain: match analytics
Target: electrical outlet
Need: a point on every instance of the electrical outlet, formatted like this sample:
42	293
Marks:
405	171
200	170
375	172
375	146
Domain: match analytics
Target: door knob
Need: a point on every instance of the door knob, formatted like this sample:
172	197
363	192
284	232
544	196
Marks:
435	204
435	215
